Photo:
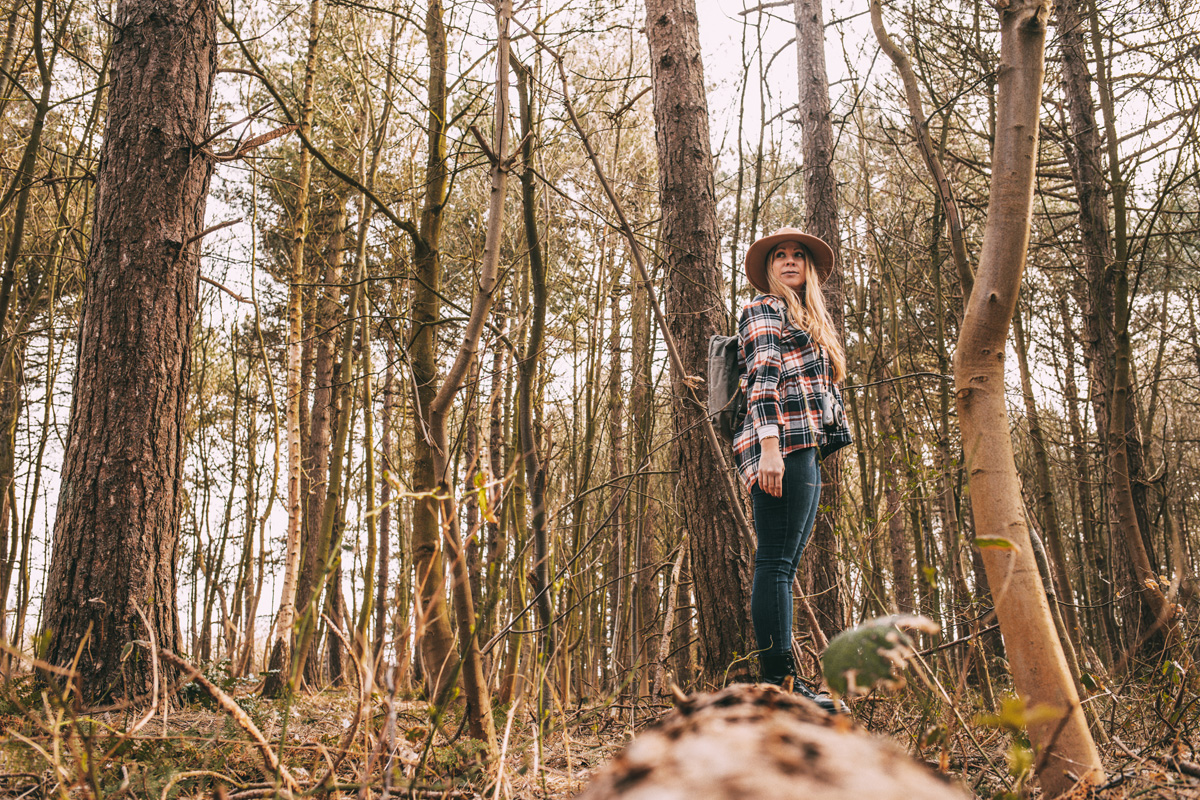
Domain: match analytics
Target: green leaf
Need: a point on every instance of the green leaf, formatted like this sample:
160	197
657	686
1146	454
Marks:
1020	760
481	494
1016	717
994	541
874	653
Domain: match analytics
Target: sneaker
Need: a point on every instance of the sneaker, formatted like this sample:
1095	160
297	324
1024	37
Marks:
827	703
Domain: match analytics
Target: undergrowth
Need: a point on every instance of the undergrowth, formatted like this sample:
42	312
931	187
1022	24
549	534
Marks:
346	743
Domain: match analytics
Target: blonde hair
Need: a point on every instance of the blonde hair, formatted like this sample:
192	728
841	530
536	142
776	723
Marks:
810	313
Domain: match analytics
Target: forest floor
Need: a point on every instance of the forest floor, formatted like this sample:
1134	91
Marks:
330	739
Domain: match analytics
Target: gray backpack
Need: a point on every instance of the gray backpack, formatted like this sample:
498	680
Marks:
726	400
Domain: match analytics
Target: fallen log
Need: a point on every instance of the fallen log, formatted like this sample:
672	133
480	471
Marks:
755	741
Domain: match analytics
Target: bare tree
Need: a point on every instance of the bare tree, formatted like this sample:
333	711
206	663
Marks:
281	647
1039	667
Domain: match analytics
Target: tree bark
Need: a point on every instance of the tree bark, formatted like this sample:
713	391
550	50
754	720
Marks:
434	637
695	311
281	650
1047	506
1040	672
822	575
326	318
527	368
117	528
1106	316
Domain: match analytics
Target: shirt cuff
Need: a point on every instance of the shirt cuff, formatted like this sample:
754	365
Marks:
767	431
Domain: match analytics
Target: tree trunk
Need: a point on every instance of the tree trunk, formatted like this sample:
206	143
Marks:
695	312
1040	672
281	650
1096	548
1106	315
1047	506
117	528
434	637
326	319
382	635
893	461
822	575
531	358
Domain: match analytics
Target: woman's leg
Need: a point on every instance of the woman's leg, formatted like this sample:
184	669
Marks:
806	484
783	525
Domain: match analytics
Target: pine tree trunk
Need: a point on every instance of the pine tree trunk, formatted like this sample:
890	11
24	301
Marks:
326	321
117	529
695	311
821	565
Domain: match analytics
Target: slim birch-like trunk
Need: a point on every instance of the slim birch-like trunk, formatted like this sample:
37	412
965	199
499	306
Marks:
281	655
1039	667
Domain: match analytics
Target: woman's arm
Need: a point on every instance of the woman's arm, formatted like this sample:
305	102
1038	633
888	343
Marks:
761	331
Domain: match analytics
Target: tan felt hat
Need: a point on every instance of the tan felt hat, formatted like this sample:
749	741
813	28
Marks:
756	256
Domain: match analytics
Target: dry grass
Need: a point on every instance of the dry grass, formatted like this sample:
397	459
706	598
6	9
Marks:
398	749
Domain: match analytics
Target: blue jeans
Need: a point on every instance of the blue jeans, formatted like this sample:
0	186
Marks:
783	525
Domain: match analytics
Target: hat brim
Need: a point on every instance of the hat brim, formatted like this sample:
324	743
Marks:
756	256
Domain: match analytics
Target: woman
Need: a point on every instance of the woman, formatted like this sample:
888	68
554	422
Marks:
792	360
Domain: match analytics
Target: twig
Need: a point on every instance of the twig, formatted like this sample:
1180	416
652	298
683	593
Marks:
854	386
154	681
36	663
240	717
960	640
226	290
198	773
344	747
211	229
765	6
250	144
1190	768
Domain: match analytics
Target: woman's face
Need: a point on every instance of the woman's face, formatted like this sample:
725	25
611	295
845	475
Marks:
789	264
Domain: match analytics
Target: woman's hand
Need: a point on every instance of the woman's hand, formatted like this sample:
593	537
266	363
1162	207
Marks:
770	467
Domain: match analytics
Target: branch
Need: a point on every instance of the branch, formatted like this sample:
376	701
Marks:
247	146
226	290
487	150
212	229
349	180
920	125
240	717
765	6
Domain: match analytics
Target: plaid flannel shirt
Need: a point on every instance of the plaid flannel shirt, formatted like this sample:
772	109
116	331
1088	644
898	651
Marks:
783	373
